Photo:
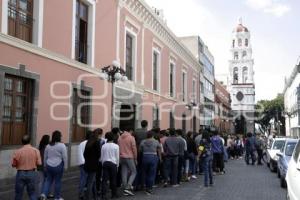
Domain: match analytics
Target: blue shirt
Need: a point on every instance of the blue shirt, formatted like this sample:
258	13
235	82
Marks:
250	144
216	144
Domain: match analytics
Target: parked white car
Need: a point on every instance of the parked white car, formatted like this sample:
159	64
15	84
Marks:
274	148
293	175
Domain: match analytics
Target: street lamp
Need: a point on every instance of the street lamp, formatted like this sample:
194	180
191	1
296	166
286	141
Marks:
191	106
113	73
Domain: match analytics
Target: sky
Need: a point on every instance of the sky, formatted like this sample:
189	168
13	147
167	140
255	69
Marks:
274	28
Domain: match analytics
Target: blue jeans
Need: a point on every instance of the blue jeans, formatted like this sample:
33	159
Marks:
149	165
181	164
82	181
54	174
171	168
91	185
207	167
28	179
192	163
250	153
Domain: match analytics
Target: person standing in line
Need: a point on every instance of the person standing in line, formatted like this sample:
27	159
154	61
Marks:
198	139
42	173
140	135
26	160
91	156
217	150
151	154
250	149
128	160
259	148
192	153
171	149
110	162
81	161
181	156
55	159
116	134
205	154
99	134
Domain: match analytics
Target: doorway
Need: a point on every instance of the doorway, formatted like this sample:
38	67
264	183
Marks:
127	116
240	125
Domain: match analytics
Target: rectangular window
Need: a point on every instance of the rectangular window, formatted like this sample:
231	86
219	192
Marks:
16	109
194	90
129	57
81	114
20	19
172	80
183	126
156	117
172	120
183	86
155	71
201	88
81	32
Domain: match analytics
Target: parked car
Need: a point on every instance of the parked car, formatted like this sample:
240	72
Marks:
285	155
293	175
273	149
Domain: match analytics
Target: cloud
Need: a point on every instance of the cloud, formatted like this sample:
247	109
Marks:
178	14
274	7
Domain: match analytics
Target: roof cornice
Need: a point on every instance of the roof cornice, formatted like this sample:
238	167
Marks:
143	12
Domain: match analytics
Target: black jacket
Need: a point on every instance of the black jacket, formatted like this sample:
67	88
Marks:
91	155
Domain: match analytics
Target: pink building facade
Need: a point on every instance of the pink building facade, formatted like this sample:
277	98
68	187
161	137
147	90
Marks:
51	57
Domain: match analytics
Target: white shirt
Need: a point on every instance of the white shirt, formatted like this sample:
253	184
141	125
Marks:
81	148
110	153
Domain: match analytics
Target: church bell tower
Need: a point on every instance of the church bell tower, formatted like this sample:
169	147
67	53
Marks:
241	80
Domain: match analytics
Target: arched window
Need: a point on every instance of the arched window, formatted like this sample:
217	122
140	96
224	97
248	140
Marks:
233	43
245	74
236	55
235	75
240	42
244	54
246	42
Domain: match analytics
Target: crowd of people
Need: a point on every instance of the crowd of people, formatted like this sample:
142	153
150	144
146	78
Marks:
131	160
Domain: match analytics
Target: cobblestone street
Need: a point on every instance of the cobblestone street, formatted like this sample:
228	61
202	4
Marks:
240	182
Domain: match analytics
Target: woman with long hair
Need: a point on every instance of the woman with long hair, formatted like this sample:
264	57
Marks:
91	156
55	158
42	173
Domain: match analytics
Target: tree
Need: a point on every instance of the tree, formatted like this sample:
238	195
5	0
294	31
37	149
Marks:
270	109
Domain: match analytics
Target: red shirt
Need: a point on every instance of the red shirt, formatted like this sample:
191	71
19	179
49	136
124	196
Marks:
26	158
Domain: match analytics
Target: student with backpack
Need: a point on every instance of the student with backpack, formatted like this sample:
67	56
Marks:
205	153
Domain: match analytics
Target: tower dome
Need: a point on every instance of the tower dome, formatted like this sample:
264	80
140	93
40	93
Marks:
240	27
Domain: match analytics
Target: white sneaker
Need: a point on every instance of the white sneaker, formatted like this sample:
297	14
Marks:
194	177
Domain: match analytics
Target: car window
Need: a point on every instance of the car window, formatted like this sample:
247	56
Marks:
278	144
297	151
283	147
289	149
